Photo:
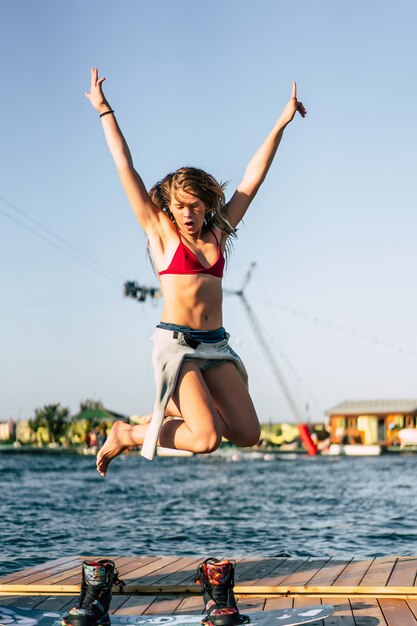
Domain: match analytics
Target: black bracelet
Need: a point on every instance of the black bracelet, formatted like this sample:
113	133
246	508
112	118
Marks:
106	112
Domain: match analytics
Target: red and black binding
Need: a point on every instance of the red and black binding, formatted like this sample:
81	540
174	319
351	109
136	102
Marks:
217	581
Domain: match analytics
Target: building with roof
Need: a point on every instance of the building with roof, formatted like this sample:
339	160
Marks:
371	421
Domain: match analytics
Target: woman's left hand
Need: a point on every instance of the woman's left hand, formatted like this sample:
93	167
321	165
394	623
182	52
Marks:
293	105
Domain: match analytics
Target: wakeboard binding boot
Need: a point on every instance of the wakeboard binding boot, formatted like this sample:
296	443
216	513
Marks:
217	580
92	605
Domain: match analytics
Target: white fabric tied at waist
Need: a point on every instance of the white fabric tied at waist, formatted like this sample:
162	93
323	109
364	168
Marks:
168	354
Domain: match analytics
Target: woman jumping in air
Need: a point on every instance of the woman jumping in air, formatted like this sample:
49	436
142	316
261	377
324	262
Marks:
199	378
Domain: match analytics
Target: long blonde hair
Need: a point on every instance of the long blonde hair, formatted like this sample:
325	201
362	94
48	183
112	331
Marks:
200	184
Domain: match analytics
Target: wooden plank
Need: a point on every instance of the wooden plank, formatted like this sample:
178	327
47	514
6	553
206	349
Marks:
28	602
327	575
38	589
249	570
128	569
244	565
117	602
176	572
387	577
353	573
250	590
163	605
190	572
124	565
379	572
342	616
190	605
49	575
53	571
367	612
183	571
10	600
251	604
140	574
412	603
281	572
52	603
273	604
397	612
259	570
135	605
72	576
29	570
301	601
404	572
305	572
55	603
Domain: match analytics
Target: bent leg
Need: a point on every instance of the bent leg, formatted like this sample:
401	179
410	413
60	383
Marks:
199	430
232	400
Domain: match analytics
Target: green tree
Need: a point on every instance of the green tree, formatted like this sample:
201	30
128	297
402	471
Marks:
51	418
91	414
88	405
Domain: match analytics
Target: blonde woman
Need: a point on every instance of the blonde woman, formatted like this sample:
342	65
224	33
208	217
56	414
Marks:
199	378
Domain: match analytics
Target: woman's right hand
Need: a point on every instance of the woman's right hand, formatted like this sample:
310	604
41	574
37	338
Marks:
96	95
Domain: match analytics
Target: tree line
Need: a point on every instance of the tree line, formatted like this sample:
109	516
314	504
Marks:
54	424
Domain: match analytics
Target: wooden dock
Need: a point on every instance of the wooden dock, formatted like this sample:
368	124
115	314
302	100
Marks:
380	591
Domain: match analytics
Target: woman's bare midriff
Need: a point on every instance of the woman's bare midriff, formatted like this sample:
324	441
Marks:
193	300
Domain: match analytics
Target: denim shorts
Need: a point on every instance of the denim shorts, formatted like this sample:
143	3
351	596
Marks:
170	348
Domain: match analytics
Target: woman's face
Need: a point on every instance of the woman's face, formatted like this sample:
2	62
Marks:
188	212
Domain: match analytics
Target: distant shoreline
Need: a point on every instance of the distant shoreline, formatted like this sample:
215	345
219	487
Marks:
10	449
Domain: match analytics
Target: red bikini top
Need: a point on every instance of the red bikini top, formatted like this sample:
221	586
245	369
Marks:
185	261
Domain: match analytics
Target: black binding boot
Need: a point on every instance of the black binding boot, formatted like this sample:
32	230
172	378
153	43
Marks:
92	605
217	580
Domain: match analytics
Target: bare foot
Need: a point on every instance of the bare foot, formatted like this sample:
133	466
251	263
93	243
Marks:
117	441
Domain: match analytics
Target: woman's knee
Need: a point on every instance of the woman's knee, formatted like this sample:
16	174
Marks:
207	441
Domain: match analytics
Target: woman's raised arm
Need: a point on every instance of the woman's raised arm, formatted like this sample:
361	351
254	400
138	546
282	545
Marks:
145	210
260	163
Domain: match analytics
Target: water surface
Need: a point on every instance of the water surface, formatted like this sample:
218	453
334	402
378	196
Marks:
57	505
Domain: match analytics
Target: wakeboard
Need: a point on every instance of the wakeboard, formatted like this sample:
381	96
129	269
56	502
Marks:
10	616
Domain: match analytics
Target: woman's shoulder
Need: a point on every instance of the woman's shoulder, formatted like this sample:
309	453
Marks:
220	236
164	229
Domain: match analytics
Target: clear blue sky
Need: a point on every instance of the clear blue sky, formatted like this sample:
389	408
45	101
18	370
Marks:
333	230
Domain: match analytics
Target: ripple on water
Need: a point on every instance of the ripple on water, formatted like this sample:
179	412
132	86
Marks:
52	506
